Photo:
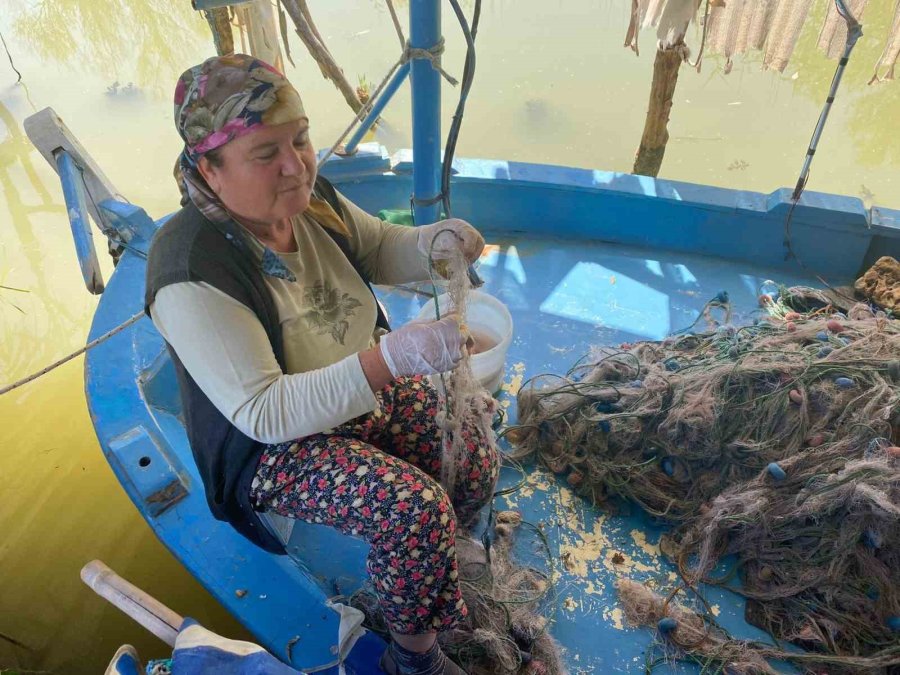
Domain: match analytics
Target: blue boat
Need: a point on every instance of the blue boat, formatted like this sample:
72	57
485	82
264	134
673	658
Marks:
580	257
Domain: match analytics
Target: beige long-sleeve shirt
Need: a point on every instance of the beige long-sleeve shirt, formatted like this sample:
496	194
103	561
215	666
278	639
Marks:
327	316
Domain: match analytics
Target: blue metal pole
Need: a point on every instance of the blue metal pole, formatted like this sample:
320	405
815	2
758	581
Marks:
425	33
377	108
76	206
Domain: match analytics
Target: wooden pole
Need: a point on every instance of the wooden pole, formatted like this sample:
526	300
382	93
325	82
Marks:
650	154
143	608
304	8
220	25
327	64
262	31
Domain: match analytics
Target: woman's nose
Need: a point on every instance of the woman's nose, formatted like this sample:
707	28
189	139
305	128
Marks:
292	165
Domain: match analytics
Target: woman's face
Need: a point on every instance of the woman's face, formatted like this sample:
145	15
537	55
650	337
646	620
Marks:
267	175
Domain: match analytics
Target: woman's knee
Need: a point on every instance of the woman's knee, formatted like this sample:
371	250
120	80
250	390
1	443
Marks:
437	515
417	504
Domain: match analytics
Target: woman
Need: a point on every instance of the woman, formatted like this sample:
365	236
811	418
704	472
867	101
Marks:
292	403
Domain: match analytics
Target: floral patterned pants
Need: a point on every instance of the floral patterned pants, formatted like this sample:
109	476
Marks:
376	477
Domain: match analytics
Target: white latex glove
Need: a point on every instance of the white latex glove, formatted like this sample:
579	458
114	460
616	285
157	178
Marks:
423	348
460	235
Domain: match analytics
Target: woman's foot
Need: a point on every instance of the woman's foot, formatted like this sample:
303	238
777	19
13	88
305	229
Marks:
399	661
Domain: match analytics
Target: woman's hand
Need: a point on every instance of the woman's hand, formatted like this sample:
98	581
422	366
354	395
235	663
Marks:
423	348
444	237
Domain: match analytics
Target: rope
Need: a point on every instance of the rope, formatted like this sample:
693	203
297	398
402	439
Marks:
113	238
854	32
433	55
409	53
66	359
687	57
427	202
396	21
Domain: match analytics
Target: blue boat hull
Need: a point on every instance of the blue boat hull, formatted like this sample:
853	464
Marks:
583	257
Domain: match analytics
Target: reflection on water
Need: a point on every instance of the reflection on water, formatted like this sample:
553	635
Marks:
110	39
863	109
553	85
59	503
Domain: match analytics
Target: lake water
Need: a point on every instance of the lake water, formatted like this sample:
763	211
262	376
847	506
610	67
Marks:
553	85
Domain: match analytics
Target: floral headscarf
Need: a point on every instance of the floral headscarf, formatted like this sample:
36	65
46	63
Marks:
221	99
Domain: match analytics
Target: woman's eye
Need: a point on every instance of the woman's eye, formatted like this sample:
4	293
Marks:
300	142
268	156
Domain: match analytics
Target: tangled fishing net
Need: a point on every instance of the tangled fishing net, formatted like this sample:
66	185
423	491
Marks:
775	443
466	403
690	633
505	632
881	283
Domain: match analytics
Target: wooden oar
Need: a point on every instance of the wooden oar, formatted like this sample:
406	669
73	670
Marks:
143	608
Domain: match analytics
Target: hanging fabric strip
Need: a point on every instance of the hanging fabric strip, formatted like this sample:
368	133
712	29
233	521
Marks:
674	21
725	25
891	53
745	21
787	24
760	23
653	12
739	26
638	8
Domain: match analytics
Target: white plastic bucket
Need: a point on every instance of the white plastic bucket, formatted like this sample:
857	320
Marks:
489	319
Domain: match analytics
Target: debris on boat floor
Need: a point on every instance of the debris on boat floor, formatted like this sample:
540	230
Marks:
776	443
591	548
881	284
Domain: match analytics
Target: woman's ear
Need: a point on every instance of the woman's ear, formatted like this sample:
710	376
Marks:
209	173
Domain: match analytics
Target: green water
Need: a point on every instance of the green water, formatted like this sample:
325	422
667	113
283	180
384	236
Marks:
553	85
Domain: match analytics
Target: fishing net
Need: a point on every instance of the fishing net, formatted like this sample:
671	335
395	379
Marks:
774	443
506	630
881	283
466	403
688	635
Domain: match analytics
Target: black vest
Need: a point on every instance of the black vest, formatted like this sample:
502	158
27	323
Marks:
188	247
